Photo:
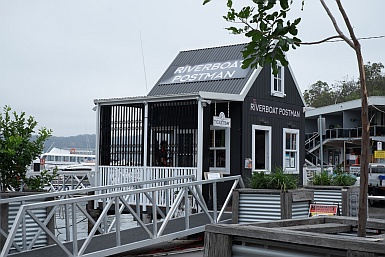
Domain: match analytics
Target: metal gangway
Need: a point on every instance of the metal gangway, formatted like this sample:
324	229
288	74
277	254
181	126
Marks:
68	179
105	234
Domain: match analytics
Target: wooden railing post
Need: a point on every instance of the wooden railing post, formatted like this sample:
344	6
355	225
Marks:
217	245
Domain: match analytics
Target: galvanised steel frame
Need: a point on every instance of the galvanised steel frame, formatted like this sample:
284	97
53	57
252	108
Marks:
118	201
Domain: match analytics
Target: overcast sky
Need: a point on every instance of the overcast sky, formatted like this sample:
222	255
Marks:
56	57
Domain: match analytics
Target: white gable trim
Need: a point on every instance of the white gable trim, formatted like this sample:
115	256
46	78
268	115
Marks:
250	82
296	84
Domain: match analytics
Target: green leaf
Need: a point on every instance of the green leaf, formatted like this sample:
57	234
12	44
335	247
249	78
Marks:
262	26
206	1
247	62
234	30
293	30
284	4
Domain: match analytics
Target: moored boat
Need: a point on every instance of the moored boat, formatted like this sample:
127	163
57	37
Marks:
63	158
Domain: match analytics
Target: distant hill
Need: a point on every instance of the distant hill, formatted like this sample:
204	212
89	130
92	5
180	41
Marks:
83	142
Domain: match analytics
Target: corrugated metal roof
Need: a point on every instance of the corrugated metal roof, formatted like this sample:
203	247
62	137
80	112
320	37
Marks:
203	56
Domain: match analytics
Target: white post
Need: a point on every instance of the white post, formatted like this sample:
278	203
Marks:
344	156
97	173
145	135
321	129
200	140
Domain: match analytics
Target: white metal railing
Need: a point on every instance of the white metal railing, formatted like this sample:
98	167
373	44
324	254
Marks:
114	175
118	201
67	180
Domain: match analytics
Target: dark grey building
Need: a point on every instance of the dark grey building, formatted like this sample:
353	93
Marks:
207	114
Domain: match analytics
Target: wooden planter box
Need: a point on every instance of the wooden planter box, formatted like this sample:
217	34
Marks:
256	205
8	212
315	236
345	196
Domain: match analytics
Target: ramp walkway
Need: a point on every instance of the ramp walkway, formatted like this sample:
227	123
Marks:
106	237
131	239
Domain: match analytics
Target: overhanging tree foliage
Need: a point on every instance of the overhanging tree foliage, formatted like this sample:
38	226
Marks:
321	94
272	34
17	148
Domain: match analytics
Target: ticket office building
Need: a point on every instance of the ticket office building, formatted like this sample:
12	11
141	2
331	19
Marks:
207	114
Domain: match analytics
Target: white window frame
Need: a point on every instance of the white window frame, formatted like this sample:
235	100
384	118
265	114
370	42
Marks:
296	169
280	76
268	146
226	169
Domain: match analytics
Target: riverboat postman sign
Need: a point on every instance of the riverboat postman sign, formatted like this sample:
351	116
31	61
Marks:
230	69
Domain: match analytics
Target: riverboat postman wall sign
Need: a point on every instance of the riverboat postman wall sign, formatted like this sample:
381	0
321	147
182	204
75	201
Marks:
275	109
230	69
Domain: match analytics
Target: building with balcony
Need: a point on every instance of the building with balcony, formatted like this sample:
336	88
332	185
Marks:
341	133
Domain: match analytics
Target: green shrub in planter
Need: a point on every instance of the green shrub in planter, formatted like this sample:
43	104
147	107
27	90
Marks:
338	178
277	179
322	179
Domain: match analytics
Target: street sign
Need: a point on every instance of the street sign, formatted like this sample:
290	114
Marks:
379	154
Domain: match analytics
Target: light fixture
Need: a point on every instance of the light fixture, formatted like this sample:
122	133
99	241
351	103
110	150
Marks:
264	122
205	102
290	125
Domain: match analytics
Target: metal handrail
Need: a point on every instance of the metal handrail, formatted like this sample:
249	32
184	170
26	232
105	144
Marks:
375	130
61	194
118	198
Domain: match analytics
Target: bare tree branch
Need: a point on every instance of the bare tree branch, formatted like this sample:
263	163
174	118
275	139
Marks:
329	40
347	22
321	41
365	137
347	40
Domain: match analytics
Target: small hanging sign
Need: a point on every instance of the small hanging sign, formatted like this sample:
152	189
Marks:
221	121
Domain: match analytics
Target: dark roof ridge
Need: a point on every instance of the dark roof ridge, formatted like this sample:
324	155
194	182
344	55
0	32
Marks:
212	47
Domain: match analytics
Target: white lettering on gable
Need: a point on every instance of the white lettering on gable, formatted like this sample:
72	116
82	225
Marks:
219	75
207	71
179	70
229	74
207	67
210	75
215	66
199	67
234	65
175	79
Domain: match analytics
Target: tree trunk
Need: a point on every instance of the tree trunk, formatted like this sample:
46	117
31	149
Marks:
365	147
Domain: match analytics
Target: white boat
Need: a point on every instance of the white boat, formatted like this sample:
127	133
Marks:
64	159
